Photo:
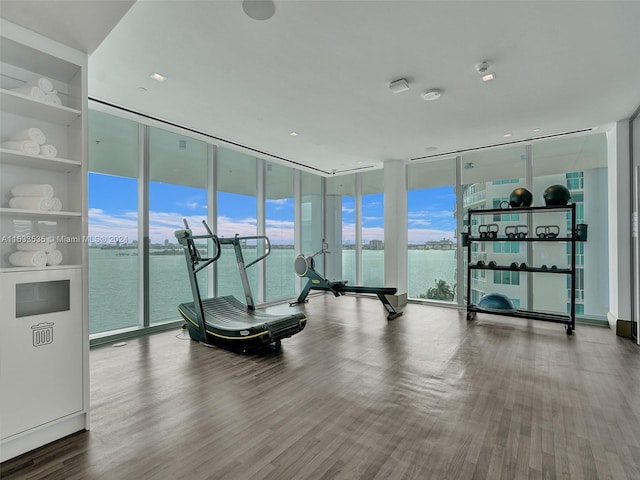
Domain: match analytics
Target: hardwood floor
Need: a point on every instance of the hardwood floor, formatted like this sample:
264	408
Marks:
426	396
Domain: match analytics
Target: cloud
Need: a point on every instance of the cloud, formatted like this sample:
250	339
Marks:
190	205
280	201
416	223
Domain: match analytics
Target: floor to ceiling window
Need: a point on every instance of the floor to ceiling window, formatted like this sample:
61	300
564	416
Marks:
311	229
431	205
488	178
344	212
177	191
580	164
341	222
279	219
113	223
373	228
237	215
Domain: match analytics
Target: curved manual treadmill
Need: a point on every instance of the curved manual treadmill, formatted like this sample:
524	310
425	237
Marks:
225	319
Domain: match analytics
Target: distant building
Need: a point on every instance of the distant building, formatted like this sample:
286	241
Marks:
443	244
376	245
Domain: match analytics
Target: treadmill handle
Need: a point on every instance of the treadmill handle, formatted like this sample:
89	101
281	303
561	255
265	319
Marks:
267	243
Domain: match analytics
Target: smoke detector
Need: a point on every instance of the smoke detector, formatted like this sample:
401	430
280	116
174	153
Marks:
400	85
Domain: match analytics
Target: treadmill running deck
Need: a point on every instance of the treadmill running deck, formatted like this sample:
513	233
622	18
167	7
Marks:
226	318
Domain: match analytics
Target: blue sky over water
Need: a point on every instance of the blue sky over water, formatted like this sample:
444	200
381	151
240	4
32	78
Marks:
113	211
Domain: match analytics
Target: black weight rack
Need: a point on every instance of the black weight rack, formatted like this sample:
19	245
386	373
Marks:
489	236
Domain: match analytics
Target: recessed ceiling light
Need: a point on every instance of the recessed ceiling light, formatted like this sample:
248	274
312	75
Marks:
432	148
488	77
433	94
400	85
536	130
158	77
294	134
507	135
482	67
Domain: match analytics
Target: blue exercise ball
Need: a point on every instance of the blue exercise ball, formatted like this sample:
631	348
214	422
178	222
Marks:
496	302
556	195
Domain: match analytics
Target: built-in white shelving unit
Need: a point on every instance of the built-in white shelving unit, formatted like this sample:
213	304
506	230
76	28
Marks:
44	333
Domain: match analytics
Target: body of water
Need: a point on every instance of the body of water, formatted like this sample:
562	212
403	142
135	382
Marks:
114	281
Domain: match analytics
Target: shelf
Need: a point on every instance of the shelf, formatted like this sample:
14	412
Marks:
571	239
530	314
22	105
527	239
528	269
18	212
506	211
48	295
13	157
38	269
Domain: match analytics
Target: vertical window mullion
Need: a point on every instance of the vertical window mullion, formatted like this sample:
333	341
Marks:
261	226
143	224
212	212
297	223
358	229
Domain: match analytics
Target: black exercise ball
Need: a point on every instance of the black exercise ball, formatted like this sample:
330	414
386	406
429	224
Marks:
556	195
520	197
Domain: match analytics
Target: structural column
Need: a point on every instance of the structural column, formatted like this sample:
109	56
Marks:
396	234
619	224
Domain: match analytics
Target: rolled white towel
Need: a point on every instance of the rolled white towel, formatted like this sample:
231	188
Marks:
53	98
54	258
25	146
48	151
56	204
33	134
31	203
30	91
43	83
35	246
28	259
46	243
32	190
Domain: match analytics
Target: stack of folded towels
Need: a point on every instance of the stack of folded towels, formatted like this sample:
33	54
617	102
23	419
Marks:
31	141
41	89
35	196
36	254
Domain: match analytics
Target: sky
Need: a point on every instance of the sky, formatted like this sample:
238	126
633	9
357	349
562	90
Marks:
113	207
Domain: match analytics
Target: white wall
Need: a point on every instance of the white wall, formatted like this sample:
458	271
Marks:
636	211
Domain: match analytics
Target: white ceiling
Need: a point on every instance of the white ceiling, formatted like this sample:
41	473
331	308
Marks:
322	69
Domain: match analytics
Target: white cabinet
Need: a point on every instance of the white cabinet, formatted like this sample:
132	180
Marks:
43	320
40	349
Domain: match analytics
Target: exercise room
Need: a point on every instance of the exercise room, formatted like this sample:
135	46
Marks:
273	240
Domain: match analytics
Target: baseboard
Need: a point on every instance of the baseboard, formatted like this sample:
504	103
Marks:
24	442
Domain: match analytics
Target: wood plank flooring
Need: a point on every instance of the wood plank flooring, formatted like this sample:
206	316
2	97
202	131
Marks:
426	396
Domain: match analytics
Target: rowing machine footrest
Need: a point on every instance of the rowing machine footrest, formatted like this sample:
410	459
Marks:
336	287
